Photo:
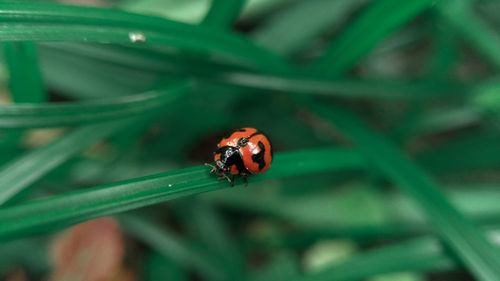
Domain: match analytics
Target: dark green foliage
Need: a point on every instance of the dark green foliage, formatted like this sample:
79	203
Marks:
383	116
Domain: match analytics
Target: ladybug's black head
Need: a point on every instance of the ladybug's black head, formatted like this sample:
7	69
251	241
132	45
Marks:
226	158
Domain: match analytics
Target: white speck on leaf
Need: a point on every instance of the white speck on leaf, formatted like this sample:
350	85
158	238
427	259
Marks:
136	37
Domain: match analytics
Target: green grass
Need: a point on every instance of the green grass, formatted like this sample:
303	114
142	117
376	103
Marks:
383	115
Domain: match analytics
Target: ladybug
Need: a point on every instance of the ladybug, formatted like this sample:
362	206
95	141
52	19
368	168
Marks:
244	152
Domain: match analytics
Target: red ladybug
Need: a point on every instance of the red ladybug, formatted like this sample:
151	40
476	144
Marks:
244	152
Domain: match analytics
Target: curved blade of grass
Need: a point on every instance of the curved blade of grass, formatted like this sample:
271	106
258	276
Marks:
446	120
146	60
457	231
159	268
76	113
25	80
96	77
13	255
425	254
223	13
36	21
375	23
421	254
275	34
171	246
345	87
356	88
456	155
66	209
25	170
208	227
90	80
476	31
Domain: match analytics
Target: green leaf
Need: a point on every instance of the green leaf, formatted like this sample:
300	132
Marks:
207	226
77	113
171	246
48	22
365	32
93	79
73	207
160	268
346	88
28	168
457	231
293	28
421	254
477	32
223	13
26	83
456	155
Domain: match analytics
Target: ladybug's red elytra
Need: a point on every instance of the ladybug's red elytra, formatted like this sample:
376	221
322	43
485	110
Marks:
244	152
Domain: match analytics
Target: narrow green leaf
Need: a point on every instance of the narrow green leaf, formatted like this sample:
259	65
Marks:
159	268
207	226
346	88
25	170
223	13
421	254
457	231
171	246
70	208
456	155
48	22
93	79
486	97
25	80
237	76
13	255
476	31
76	113
293	28
365	32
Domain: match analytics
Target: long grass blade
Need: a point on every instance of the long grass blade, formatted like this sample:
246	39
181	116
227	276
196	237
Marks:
457	231
78	113
25	80
223	13
422	254
477	32
66	209
275	34
367	30
26	169
171	246
347	88
47	22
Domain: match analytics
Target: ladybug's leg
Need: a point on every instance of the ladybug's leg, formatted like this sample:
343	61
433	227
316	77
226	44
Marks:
213	168
245	178
232	181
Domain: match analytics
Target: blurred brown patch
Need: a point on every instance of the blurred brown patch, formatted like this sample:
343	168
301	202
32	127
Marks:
91	251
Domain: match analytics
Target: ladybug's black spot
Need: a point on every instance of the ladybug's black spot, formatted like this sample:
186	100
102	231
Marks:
242	142
259	157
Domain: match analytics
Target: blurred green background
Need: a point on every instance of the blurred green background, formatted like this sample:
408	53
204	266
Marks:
383	116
